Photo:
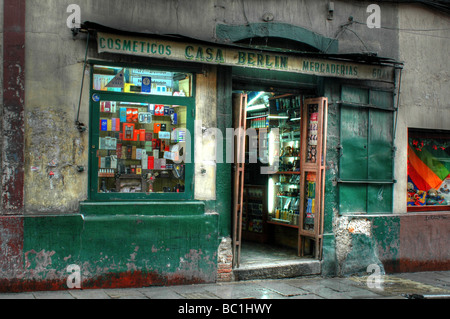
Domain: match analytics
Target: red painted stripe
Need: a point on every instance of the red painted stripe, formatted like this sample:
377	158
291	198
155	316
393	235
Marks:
13	106
417	179
11	248
427	174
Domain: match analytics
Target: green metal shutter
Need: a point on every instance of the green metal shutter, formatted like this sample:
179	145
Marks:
366	151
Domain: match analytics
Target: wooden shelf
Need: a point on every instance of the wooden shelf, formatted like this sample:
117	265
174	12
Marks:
281	96
282	224
288	173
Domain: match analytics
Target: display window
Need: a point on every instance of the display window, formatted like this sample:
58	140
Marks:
428	170
141	145
141	81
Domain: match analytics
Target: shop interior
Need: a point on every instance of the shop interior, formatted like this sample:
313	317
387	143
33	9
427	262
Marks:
271	200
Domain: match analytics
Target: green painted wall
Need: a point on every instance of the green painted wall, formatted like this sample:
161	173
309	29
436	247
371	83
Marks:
121	250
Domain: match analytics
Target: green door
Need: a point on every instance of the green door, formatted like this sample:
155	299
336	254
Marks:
366	145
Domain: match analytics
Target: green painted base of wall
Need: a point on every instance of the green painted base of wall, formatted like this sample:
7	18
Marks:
162	208
121	246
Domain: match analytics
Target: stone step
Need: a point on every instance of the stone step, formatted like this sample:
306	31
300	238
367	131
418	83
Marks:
277	270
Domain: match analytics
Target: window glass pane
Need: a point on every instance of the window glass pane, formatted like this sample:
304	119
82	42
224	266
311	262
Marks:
141	81
428	168
309	201
141	148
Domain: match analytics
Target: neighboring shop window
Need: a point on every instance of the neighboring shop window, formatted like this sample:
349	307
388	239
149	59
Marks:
141	145
428	170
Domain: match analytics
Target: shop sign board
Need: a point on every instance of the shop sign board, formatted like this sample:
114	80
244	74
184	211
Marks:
234	56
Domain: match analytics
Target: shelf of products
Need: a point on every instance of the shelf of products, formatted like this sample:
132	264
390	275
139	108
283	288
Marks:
284	183
139	148
139	81
254	213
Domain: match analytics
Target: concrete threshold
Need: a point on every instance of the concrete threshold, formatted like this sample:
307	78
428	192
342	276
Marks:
278	270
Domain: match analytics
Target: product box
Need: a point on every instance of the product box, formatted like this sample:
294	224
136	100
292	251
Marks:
151	162
133	152
103	124
117	125
159	110
134	115
174	118
151	109
119	150
157	164
148	147
156	128
139	153
145	117
123	114
129	115
102	162
148	136
164	135
146	84
113	161
142	135
144	161
128	131
107	107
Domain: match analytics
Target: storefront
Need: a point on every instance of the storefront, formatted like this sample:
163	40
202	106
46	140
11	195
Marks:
133	180
149	156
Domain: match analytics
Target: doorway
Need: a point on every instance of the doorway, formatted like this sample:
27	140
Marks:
270	224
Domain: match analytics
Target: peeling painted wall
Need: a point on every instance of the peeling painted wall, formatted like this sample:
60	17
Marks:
356	246
424	99
206	144
55	150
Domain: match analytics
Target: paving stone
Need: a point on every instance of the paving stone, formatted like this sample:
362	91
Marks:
242	291
16	296
160	293
53	295
283	288
307	296
199	295
89	294
125	294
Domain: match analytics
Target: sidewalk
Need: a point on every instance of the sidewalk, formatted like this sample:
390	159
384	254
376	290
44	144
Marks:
397	286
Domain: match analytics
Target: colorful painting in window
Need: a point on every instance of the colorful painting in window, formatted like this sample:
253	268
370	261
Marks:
428	169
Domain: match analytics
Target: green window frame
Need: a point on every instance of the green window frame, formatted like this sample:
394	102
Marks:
97	96
366	159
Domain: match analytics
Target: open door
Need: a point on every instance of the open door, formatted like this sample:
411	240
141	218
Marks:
312	183
239	124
